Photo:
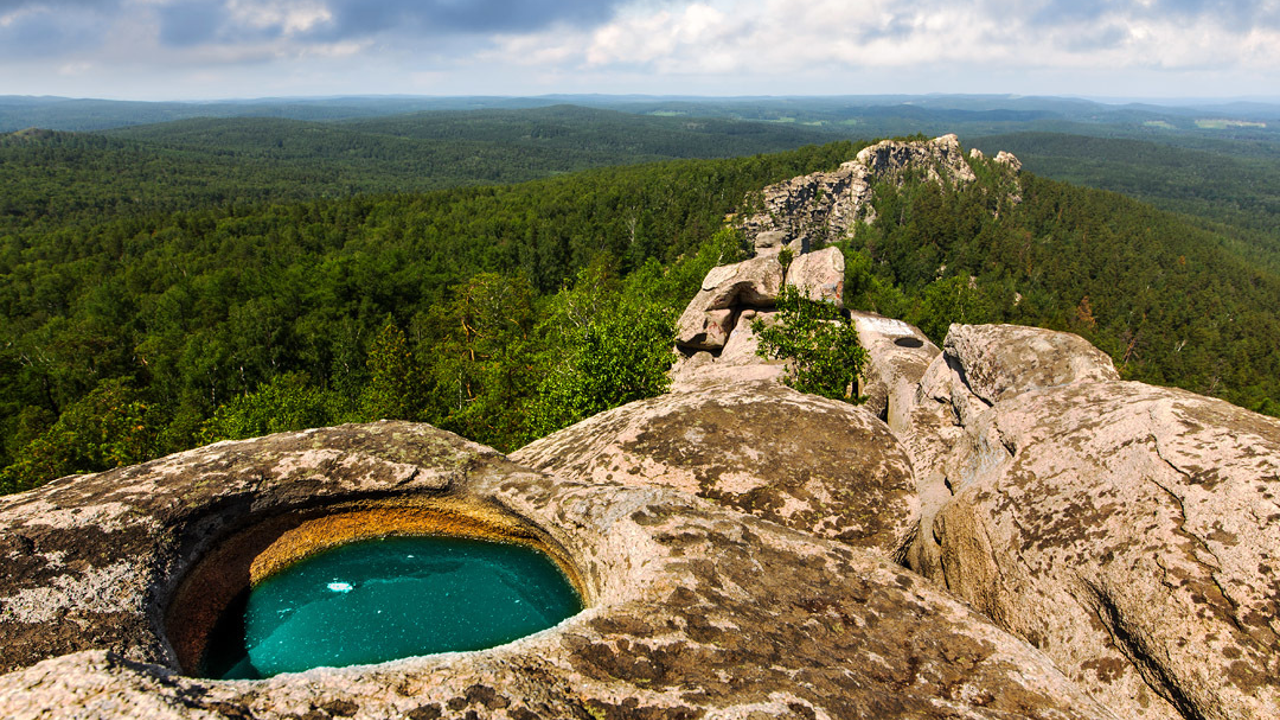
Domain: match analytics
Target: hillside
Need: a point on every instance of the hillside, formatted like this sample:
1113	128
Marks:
497	311
1236	186
52	178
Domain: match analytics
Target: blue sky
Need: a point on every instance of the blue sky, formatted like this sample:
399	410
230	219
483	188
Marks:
209	49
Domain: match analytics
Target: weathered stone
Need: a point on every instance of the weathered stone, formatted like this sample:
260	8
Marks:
709	317
1132	534
949	433
897	356
803	461
737	362
1128	531
940	159
770	242
1010	160
751	283
704	329
1000	359
819	275
693	610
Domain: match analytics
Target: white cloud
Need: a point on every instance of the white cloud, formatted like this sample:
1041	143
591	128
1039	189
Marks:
1166	47
774	38
291	16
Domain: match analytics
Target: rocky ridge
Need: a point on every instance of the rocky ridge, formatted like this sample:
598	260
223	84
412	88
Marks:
1078	546
801	216
808	212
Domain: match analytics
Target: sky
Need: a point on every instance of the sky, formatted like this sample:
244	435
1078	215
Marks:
215	49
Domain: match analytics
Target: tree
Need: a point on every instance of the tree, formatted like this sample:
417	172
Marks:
820	343
609	345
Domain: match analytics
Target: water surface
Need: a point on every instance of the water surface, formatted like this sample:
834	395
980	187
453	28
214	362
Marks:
389	598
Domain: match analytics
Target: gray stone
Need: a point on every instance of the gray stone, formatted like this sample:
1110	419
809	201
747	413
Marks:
693	610
810	463
819	275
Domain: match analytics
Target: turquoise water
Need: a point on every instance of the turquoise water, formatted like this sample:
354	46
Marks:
379	600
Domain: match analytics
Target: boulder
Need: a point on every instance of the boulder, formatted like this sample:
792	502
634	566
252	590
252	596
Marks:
770	242
810	463
699	329
1000	359
737	362
948	430
709	317
819	275
693	610
897	356
1128	531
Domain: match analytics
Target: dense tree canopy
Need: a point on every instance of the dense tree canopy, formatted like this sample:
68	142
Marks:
504	312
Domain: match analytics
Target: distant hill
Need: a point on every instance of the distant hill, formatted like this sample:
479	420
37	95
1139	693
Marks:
1234	185
56	177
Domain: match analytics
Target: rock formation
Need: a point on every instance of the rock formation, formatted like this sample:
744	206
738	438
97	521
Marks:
1130	532
801	215
808	212
822	466
1097	548
693	610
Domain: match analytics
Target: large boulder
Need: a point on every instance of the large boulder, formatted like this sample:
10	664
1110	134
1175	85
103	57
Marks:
738	361
1128	531
819	275
897	356
692	610
947	428
726	290
1000	359
810	463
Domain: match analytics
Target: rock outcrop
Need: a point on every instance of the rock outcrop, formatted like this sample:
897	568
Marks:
822	466
801	216
692	610
808	212
1128	531
726	291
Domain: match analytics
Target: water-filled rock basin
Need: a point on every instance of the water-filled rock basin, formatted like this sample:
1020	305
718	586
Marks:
382	599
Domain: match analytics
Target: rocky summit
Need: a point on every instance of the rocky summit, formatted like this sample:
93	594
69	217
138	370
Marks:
1005	529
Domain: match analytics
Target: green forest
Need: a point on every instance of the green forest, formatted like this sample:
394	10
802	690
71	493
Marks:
164	287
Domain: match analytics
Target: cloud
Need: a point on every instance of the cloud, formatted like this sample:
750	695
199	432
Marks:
32	29
776	38
192	22
837	46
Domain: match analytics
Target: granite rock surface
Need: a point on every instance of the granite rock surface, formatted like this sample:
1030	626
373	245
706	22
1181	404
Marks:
1128	531
693	610
822	466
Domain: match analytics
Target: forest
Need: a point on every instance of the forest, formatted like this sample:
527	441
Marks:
154	298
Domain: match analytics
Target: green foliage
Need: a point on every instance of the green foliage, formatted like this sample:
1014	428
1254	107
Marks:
286	402
110	427
394	390
819	343
609	344
128	330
